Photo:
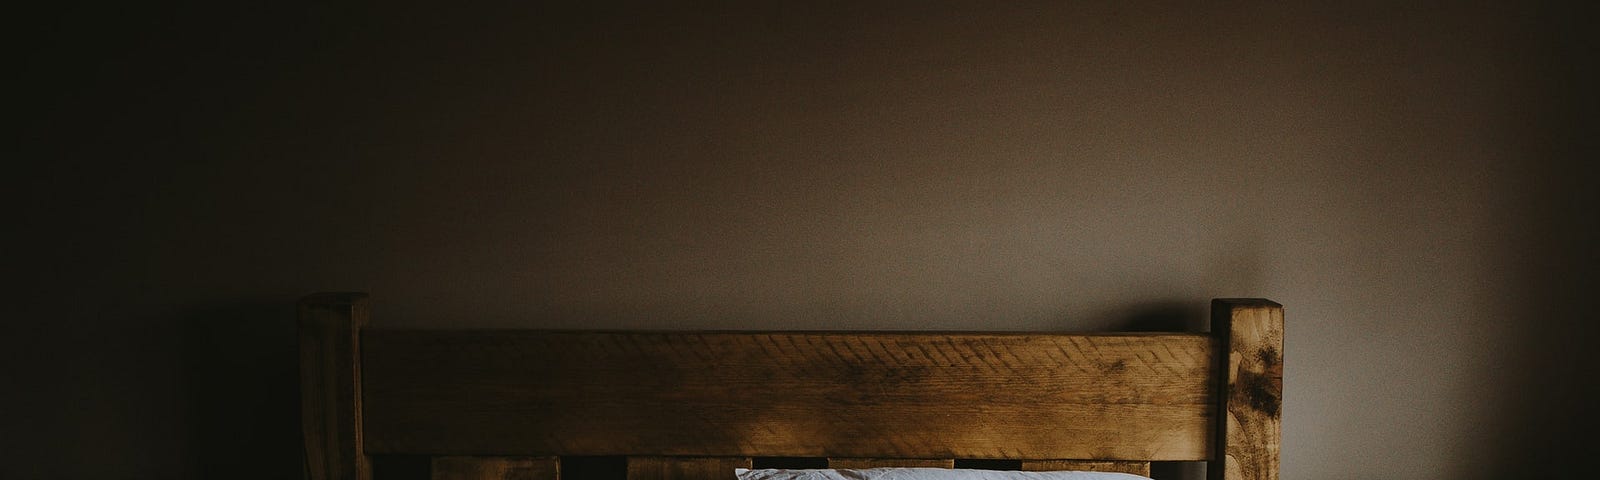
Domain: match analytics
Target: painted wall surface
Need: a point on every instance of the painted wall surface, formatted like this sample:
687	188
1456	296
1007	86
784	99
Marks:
1411	180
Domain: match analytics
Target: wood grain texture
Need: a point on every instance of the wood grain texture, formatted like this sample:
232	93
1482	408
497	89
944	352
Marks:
684	468
496	468
859	395
1252	367
1136	468
860	463
330	386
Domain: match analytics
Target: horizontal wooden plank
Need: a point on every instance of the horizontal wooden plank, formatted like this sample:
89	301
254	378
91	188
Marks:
685	468
861	463
863	395
496	468
1136	468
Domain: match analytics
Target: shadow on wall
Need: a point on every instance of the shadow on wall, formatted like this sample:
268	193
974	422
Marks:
242	372
1548	427
1162	316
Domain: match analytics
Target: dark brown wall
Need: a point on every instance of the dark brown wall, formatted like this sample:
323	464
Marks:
1412	181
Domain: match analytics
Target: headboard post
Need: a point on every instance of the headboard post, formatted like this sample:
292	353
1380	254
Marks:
1249	335
330	386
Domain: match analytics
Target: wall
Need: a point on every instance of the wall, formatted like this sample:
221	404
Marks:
1406	179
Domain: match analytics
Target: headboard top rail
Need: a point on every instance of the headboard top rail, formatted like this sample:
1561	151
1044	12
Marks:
836	394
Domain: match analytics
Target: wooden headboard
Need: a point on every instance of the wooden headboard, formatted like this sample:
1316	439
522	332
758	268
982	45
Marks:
502	404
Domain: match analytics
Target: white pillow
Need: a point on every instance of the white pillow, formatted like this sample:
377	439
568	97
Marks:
924	474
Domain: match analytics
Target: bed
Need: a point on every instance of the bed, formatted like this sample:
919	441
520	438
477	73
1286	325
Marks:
668	405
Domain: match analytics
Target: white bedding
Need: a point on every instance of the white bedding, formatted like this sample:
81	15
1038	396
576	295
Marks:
924	474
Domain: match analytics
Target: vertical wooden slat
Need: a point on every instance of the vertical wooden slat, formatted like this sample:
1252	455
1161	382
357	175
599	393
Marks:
1136	468
330	386
496	468
684	468
890	462
1250	332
